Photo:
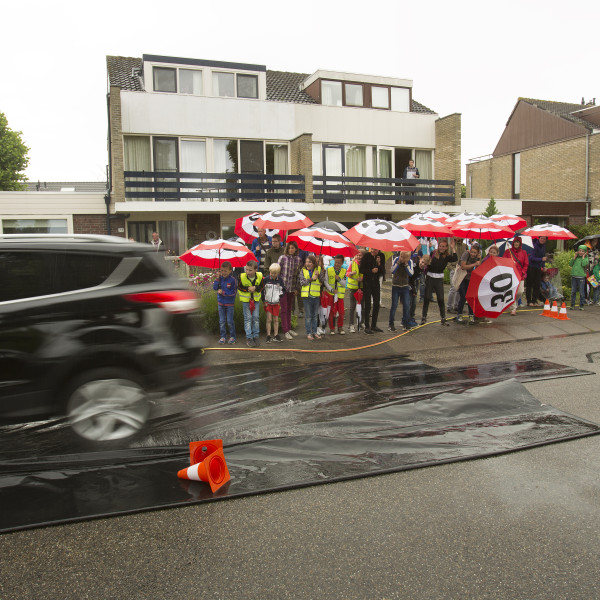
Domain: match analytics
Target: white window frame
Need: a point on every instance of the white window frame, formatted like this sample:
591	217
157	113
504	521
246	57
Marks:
179	81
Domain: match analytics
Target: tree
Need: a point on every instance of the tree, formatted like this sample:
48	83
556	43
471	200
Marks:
491	209
13	157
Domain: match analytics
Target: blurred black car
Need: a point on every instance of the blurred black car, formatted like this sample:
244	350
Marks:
91	327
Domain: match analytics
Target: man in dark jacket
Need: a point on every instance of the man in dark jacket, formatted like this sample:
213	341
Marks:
372	266
537	260
434	281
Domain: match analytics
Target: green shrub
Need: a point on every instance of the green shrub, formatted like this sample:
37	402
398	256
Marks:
560	261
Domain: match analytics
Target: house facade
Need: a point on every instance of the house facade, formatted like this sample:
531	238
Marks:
548	158
195	144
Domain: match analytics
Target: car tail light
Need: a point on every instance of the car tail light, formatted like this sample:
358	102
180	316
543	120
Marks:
176	301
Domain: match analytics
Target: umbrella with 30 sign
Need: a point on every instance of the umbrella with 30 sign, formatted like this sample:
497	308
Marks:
245	227
383	235
323	241
492	287
213	253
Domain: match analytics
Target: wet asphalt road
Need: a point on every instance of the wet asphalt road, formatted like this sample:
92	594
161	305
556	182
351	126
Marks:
522	525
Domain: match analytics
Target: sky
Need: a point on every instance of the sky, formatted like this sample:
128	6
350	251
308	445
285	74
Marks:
470	57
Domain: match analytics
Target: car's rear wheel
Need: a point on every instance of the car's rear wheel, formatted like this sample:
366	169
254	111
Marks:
107	406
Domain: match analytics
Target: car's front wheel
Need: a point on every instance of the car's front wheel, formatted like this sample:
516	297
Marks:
107	406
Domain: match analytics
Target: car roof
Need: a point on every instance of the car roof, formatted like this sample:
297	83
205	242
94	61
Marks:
102	243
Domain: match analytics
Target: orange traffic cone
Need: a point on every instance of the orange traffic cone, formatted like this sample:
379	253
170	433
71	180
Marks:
200	450
554	311
212	470
562	316
546	312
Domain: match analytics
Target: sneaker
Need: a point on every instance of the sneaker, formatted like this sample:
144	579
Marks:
377	329
341	331
232	340
317	336
368	331
250	343
391	327
423	321
406	327
413	324
596	304
277	338
445	323
571	308
332	332
292	332
222	341
460	319
256	342
471	319
301	315
288	336
268	339
581	308
310	336
352	329
320	331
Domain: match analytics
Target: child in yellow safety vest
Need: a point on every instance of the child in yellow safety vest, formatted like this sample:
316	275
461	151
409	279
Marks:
354	280
311	279
336	287
250	287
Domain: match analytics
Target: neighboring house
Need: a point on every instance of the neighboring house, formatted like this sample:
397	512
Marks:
195	144
59	207
548	158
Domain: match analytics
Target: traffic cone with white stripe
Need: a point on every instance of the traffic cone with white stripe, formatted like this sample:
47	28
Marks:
546	312
554	311
200	450
212	470
562	315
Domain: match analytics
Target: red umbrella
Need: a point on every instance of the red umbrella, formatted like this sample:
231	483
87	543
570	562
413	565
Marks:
552	232
493	286
383	235
323	241
436	215
284	219
460	217
245	227
423	227
511	221
480	228
213	253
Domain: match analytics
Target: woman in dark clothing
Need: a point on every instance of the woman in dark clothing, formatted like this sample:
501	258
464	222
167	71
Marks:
537	260
372	266
434	280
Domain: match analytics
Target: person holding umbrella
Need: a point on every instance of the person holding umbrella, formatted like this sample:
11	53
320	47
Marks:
470	260
434	280
311	280
226	287
372	266
521	260
354	280
260	246
537	260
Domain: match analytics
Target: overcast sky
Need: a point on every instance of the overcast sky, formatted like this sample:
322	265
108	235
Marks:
471	57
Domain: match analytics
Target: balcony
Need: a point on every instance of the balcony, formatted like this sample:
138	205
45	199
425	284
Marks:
167	186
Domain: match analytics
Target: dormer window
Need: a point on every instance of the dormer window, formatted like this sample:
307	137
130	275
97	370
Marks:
165	79
400	99
247	86
224	85
380	97
331	92
354	94
190	82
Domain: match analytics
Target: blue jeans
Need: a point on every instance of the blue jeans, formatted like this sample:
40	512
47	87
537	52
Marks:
226	318
311	309
577	285
251	321
462	294
402	294
597	293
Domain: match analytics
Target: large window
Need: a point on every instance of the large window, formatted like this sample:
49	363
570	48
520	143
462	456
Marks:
190	82
165	79
193	156
137	158
516	175
225	156
34	226
166	159
354	94
331	93
277	159
172	233
317	159
380	97
247	86
224	85
401	99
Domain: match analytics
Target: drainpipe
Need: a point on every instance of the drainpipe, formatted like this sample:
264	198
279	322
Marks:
587	175
108	169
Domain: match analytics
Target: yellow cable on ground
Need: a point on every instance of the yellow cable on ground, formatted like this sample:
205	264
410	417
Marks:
278	349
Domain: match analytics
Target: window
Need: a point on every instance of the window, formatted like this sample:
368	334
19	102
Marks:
380	97
165	79
247	86
34	226
141	231
424	162
224	85
517	175
190	82
166	159
172	233
225	156
251	157
331	93
277	159
401	99
317	153
193	156
354	94
137	158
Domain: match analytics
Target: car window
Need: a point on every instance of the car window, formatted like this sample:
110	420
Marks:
28	274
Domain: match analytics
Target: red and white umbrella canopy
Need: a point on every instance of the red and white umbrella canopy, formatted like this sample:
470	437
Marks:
480	228
423	227
213	253
383	235
460	217
323	241
436	215
246	228
511	221
283	219
552	232
492	287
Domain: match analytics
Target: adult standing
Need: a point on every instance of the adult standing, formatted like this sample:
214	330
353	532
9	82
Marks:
537	260
521	260
372	266
273	254
434	280
410	172
291	263
260	246
157	243
453	297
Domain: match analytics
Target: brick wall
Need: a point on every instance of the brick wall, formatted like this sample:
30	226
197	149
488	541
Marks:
96	224
447	151
116	140
490	178
301	161
594	182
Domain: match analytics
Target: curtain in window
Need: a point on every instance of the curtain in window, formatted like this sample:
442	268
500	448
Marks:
281	160
423	163
193	159
172	233
137	158
190	82
356	164
385	164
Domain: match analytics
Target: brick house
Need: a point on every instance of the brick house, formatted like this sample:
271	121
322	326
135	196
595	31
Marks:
548	158
195	144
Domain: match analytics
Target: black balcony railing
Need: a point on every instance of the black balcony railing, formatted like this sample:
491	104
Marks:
176	186
338	190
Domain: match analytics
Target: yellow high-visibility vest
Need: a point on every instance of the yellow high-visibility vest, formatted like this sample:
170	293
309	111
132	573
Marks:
313	288
353	273
341	288
245	296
